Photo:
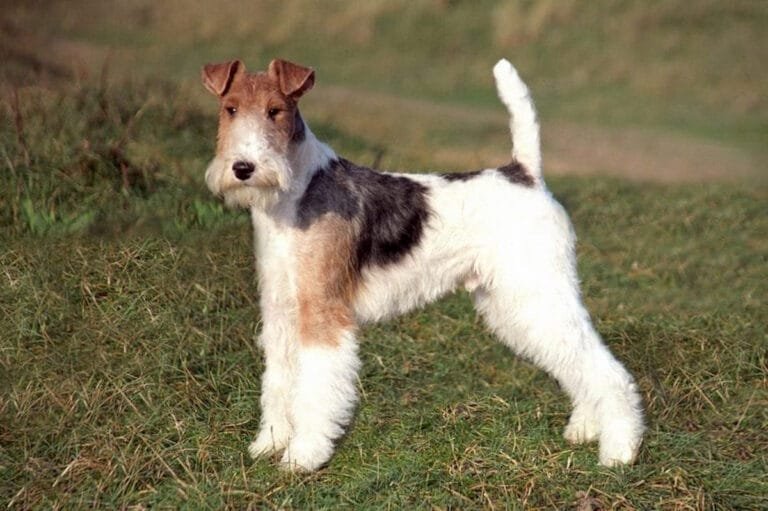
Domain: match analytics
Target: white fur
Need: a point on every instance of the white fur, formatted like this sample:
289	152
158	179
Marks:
525	129
323	401
512	246
278	337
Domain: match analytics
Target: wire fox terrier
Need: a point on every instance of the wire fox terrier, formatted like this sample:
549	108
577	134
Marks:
338	244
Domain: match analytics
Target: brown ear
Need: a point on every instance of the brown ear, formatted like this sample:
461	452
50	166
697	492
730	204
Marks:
218	77
294	79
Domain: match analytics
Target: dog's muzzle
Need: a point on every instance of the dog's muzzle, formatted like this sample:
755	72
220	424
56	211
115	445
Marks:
243	169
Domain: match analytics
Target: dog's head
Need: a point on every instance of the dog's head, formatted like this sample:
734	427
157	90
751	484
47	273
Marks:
259	123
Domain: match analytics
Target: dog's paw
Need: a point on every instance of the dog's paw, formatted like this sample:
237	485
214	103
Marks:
581	429
619	443
618	455
306	454
269	441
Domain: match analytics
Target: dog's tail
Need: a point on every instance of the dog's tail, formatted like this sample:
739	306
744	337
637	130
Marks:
525	128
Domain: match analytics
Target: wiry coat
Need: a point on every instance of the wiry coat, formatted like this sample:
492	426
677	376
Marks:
338	244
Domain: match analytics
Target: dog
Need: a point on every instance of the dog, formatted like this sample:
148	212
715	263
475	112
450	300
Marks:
338	244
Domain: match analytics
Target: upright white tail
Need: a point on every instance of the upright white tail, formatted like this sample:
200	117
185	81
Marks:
514	94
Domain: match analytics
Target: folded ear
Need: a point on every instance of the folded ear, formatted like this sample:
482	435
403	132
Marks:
294	79
218	77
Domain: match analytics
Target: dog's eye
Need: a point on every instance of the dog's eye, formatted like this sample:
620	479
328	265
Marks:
231	110
272	113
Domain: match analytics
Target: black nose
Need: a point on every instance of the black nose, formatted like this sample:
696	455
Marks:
243	169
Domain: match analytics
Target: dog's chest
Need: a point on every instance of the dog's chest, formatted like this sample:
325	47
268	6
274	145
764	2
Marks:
275	259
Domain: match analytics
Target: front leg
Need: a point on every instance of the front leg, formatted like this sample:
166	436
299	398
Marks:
324	390
278	342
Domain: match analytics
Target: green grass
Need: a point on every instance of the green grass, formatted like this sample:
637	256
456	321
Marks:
129	375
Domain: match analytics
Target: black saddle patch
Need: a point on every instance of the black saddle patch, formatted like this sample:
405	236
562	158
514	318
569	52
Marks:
514	172
460	176
388	212
299	128
517	174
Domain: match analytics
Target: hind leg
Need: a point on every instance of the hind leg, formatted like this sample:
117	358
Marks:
549	326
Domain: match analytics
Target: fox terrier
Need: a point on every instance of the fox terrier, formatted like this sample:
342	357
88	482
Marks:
338	244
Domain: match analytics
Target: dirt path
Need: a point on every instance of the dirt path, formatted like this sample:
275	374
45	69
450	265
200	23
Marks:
643	155
459	137
569	147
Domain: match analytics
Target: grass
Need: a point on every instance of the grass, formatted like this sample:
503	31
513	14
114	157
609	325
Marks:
129	376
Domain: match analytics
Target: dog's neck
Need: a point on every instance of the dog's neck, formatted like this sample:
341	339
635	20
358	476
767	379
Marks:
305	158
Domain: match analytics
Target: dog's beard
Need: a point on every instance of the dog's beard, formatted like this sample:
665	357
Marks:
271	177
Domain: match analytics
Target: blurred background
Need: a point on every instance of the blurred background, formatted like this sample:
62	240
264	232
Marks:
652	90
